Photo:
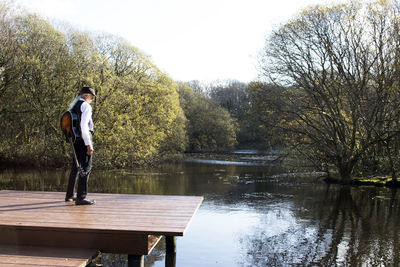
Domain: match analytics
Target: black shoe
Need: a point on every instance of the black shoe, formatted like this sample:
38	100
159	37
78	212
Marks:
84	201
70	199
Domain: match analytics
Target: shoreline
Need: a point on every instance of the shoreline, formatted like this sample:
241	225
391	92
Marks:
228	156
378	181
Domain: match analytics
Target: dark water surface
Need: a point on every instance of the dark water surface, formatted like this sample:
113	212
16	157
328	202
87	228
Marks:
255	213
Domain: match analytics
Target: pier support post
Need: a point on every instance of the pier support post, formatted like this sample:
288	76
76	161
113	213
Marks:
170	259
170	244
135	261
170	249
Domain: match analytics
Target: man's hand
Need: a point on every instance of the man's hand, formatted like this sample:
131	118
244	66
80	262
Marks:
89	151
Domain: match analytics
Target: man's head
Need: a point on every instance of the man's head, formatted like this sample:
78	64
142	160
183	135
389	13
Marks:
87	93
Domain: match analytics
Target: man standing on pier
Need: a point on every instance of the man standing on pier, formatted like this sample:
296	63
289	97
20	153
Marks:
83	147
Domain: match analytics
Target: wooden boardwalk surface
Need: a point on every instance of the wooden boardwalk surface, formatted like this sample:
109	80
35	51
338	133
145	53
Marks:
32	256
125	224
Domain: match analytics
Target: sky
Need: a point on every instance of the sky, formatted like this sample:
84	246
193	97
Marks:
204	40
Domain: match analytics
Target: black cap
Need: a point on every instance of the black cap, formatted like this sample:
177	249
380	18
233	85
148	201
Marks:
87	90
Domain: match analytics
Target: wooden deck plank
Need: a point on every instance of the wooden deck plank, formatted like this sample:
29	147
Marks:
159	215
44	256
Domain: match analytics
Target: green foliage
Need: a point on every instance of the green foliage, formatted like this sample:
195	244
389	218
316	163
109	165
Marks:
210	127
138	117
233	96
267	115
32	101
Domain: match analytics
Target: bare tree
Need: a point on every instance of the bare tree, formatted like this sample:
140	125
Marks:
342	61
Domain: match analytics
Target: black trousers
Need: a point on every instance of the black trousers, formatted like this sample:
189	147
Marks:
85	162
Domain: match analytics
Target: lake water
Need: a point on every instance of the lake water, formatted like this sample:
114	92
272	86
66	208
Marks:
256	212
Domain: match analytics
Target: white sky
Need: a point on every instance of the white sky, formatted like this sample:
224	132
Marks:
201	40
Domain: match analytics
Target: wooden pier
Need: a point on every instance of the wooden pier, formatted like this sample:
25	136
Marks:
121	224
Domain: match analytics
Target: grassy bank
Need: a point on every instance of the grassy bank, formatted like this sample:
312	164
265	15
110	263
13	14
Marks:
381	181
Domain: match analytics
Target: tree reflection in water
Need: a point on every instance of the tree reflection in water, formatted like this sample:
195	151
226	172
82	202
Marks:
348	228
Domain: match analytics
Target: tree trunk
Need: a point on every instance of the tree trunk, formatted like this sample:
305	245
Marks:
391	163
345	170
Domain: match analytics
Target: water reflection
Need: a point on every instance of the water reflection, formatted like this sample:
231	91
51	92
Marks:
338	226
254	215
